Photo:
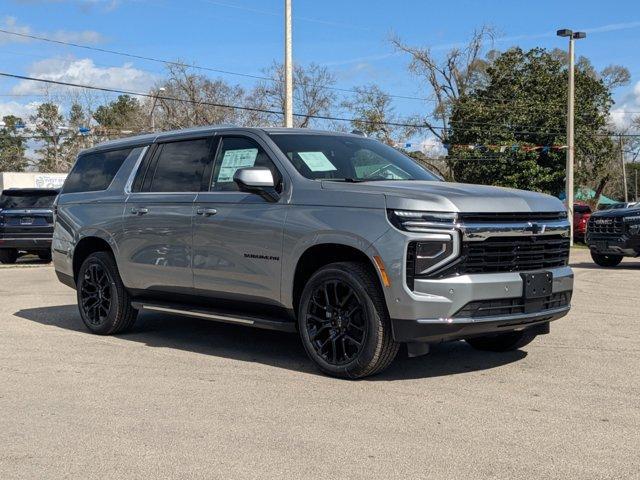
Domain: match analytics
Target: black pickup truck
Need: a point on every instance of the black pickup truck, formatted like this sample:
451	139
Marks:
26	223
614	234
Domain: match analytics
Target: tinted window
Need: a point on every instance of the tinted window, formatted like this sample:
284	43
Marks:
235	153
27	199
341	157
95	171
180	166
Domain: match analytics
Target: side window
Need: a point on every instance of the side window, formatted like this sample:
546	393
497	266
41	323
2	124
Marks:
235	153
180	165
95	171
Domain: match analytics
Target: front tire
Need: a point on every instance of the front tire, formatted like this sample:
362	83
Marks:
343	321
103	301
503	342
606	260
8	255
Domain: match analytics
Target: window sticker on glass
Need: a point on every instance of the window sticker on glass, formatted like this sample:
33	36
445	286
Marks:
317	161
235	159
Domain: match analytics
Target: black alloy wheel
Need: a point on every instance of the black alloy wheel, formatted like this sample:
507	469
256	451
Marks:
335	322
103	301
96	294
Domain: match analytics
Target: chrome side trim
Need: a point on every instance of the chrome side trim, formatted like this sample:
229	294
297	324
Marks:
499	318
474	232
190	313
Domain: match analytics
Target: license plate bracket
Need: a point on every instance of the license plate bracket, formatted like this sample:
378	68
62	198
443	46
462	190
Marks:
26	221
535	288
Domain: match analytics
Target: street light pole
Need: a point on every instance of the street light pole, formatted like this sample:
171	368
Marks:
288	67
569	193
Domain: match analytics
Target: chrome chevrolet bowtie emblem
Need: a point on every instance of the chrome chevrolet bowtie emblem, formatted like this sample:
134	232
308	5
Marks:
536	228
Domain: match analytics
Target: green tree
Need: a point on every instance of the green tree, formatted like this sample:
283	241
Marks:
12	146
49	129
521	101
74	140
124	113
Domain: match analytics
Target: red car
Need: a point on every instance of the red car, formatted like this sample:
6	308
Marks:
581	214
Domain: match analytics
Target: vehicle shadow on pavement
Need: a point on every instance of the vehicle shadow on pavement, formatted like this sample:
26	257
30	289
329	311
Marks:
277	349
592	266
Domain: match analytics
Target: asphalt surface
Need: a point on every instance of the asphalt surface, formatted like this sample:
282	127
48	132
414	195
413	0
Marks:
182	398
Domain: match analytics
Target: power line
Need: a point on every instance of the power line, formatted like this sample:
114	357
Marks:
187	65
246	108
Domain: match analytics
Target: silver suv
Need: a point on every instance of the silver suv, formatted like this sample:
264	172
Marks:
336	236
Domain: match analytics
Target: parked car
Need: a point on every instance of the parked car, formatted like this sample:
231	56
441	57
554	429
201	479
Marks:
337	236
26	223
581	214
614	234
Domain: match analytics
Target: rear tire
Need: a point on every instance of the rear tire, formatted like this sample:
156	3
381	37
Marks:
502	342
8	255
343	321
103	301
45	255
606	260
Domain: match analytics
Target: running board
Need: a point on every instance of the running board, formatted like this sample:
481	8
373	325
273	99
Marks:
217	316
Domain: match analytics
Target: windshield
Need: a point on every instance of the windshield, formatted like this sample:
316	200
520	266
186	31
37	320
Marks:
343	158
27	199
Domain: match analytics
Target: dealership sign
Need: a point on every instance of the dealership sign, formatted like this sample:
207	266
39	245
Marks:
49	180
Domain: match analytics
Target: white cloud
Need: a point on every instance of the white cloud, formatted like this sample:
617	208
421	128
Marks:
85	72
629	108
12	24
22	110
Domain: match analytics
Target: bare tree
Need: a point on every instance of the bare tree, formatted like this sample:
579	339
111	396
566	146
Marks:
449	77
374	114
312	95
199	100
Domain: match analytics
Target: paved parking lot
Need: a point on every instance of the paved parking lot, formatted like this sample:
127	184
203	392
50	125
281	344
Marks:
182	398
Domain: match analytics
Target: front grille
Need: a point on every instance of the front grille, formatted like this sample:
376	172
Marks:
512	306
606	226
510	254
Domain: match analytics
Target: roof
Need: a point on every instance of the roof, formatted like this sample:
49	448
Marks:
148	138
30	190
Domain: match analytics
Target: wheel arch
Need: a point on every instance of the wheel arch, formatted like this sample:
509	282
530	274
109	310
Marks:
319	255
85	247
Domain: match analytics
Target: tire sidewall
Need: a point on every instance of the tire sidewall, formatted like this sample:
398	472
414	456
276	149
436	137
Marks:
108	325
372	319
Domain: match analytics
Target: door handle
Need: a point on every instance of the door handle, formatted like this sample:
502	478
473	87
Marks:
207	212
139	210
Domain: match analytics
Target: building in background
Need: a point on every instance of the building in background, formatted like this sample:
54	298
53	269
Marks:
31	180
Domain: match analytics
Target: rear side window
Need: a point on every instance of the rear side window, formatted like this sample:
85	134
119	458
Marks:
180	166
95	171
27	199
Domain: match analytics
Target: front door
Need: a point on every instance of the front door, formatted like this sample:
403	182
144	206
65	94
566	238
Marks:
156	247
238	236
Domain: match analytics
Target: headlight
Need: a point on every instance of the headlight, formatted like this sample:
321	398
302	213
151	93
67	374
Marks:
432	252
412	221
436	243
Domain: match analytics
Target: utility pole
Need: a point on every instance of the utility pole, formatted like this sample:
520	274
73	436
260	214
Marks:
624	170
153	107
569	193
288	67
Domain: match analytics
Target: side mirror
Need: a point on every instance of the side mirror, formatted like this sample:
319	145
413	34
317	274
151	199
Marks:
257	180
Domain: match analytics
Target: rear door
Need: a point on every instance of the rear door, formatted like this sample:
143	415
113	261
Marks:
156	246
238	236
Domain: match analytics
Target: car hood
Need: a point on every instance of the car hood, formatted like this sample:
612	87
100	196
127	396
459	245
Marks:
452	197
618	212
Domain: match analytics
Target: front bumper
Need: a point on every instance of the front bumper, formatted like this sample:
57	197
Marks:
614	244
435	330
433	310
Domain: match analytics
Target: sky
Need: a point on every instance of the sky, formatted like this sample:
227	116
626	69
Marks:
350	37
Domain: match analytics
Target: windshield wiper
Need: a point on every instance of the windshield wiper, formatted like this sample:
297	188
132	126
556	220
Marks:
347	179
